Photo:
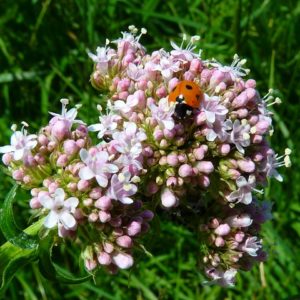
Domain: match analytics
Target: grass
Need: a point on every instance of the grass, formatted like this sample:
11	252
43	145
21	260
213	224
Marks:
43	58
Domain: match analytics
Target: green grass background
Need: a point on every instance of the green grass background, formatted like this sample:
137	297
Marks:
43	58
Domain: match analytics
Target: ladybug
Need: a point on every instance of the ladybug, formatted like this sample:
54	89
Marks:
188	96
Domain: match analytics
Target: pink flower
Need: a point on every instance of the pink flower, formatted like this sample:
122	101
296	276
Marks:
244	192
163	114
213	109
96	166
61	210
121	188
21	144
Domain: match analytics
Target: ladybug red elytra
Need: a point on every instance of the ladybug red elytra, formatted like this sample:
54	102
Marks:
188	96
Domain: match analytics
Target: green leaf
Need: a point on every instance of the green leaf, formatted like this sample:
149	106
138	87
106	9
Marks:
20	260
51	270
9	227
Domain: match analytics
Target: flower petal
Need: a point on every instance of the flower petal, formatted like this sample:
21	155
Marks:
86	173
51	220
67	220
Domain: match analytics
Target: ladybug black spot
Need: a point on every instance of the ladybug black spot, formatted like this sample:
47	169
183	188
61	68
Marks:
189	87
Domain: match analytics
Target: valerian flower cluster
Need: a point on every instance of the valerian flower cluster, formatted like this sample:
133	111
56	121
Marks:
209	165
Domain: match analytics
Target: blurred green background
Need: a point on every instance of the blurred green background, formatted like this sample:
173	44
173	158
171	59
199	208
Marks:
43	58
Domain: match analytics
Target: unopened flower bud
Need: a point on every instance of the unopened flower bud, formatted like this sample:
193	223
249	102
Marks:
222	229
104	259
124	241
168	199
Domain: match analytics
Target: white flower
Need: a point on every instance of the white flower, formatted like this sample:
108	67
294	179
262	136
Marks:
102	58
122	188
96	166
186	53
129	145
108	124
251	246
123	260
61	210
235	70
244	192
68	116
163	114
21	144
167	67
213	109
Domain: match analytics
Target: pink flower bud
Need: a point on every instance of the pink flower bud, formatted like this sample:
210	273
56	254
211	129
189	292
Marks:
43	140
123	95
123	260
239	236
222	229
81	132
104	203
104	216
185	171
95	193
124	241
242	113
83	185
147	151
163	144
195	65
72	186
161	92
182	158
205	167
189	76
250	83
93	217
35	203
123	85
233	174
53	186
60	130
108	247
257	139
104	259
70	147
90	264
214	223
219	242
172	83
88	202
171	181
240	101
199	153
172	159
51	146
253	120
204	181
80	143
246	165
62	160
158	134
163	161
18	174
169	134
7	158
168	199
134	228
262	127
206	75
152	188
224	149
